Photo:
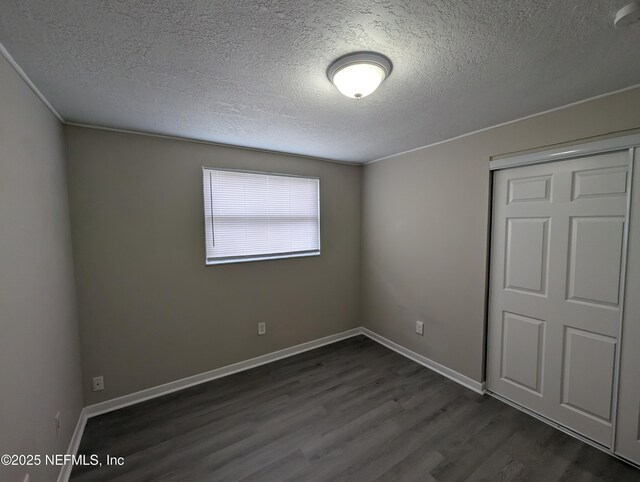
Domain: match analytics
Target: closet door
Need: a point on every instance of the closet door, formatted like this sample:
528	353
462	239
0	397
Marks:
628	419
555	305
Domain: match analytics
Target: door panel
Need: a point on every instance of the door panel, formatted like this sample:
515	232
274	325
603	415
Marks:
595	257
530	189
554	308
523	351
526	254
600	182
587	382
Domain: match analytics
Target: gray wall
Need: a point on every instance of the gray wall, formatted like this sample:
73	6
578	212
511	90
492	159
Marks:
39	346
150	310
425	229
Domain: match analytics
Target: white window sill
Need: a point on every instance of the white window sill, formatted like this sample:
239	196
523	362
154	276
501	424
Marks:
213	261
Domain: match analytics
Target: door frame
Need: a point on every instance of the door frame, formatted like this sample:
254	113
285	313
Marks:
630	143
563	153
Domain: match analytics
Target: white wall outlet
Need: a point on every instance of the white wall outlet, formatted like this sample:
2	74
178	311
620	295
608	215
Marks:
262	328
98	383
57	422
419	328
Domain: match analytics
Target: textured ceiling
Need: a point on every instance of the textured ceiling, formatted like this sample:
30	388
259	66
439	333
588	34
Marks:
253	73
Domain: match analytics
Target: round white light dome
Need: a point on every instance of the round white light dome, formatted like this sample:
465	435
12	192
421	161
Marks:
358	75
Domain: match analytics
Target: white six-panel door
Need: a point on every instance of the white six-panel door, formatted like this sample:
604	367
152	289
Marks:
555	305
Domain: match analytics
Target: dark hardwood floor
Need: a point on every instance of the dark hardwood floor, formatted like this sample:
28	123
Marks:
354	411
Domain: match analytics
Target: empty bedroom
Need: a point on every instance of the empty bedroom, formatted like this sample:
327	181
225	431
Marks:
296	240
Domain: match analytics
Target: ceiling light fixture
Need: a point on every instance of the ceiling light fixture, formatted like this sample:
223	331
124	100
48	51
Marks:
359	74
627	15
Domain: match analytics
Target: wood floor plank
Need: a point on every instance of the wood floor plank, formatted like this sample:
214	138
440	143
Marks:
352	411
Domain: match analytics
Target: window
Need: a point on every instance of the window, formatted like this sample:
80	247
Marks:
253	216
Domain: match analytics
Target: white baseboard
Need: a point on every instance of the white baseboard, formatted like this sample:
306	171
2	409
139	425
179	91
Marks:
74	444
160	390
427	362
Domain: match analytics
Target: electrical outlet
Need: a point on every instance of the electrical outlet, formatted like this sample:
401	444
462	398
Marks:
57	422
262	328
419	328
98	383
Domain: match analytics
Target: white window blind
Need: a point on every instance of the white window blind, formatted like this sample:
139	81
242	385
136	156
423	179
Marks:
251	216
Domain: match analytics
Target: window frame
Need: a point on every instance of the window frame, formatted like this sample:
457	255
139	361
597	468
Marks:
262	257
